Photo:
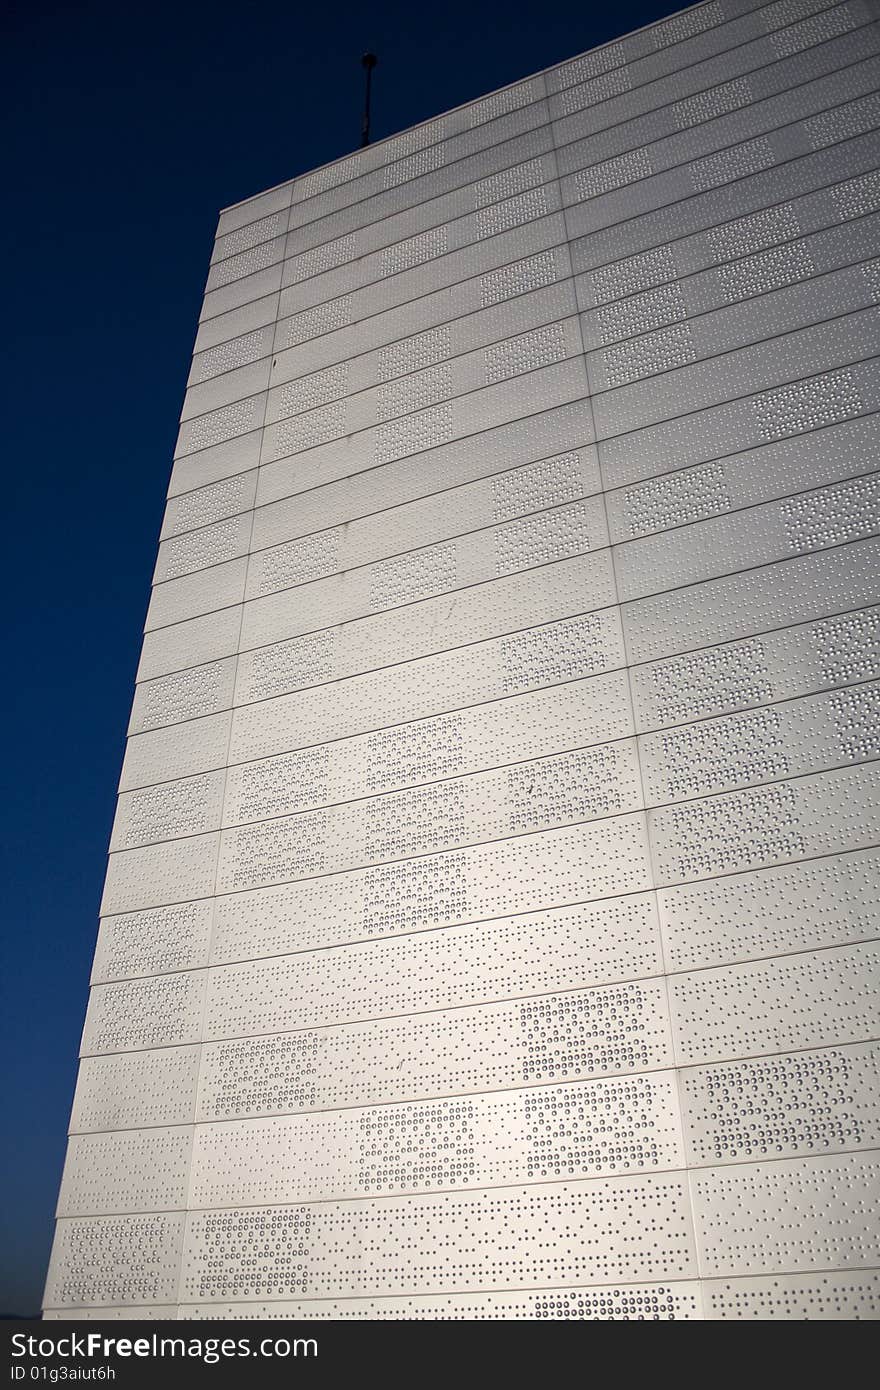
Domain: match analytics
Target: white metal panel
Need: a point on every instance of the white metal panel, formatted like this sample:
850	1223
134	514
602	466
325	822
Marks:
356	1247
837	1297
782	1107
139	1170
115	1260
184	695
774	469
786	820
676	1301
784	740
586	784
525	659
817	1213
534	487
151	1012
746	1009
193	745
809	521
553	434
154	942
528	726
793	591
128	1090
459	563
172	872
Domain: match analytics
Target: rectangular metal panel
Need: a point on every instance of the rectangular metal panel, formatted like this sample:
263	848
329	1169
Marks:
526	659
528	726
140	1170
115	1260
786	820
818	1213
626	1219
677	1301
837	1297
129	1090
782	1107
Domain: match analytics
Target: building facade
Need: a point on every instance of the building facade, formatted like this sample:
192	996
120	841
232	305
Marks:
491	912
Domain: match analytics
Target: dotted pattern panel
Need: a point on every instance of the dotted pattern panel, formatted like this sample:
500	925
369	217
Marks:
143	1313
552	1038
808	587
797	1297
636	1303
168	811
747	1008
142	1170
176	600
153	943
192	642
203	505
798	736
490	928
473	408
427	198
795	819
383	1246
115	1260
661	173
809	521
517	491
782	1107
815	1214
676	392
562	589
132	1090
502	446
184	695
166	873
200	549
388	584
759	670
824	902
523	660
743	424
219	425
164	753
153	1012
775	469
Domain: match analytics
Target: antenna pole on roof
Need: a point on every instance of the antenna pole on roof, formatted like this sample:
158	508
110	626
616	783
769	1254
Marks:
368	62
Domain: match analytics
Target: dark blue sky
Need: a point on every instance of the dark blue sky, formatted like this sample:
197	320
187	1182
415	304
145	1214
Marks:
125	128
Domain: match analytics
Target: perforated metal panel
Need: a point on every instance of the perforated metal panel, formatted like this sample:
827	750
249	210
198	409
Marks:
491	929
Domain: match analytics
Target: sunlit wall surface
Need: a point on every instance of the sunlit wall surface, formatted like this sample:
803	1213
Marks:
489	924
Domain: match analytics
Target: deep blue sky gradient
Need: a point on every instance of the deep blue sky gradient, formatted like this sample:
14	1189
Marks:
125	129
